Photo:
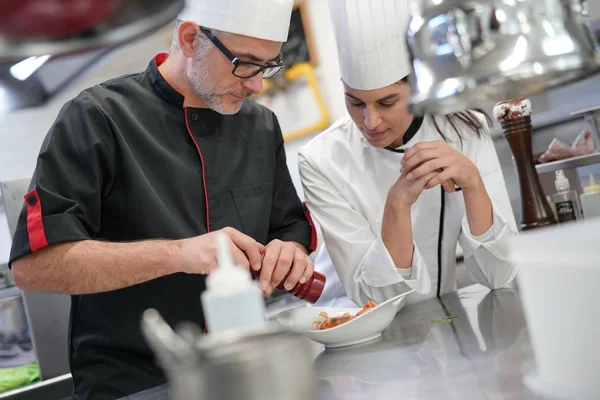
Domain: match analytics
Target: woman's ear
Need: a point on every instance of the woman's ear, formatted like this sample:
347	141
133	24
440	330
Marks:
187	38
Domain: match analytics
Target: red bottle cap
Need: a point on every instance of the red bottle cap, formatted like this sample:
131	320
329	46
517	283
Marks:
310	291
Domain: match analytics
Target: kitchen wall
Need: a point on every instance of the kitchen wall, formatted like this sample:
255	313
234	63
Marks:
296	108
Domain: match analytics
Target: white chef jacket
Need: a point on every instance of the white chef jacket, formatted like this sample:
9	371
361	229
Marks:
346	182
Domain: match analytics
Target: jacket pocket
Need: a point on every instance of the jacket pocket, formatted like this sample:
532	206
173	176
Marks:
253	206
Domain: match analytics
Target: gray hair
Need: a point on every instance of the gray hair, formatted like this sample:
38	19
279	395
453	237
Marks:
204	43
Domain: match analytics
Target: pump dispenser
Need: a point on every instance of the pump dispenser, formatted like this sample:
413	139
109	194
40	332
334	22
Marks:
232	300
590	199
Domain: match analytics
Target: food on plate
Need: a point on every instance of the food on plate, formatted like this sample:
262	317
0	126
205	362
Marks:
331	322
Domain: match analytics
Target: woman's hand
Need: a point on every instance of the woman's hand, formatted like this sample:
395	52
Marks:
404	193
424	158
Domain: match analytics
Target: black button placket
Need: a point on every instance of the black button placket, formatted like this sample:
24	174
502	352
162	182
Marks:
194	125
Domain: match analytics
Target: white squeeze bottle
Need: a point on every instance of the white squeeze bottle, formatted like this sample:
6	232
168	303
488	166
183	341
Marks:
566	200
232	300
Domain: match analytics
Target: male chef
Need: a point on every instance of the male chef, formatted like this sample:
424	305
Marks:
136	176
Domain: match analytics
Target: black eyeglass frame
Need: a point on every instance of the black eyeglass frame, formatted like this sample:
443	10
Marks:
277	65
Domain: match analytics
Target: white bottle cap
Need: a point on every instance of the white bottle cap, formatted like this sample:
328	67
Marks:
227	277
561	182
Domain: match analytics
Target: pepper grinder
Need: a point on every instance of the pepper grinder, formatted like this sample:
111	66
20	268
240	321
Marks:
515	118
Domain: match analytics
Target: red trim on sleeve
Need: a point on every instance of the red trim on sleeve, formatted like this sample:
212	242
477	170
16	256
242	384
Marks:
313	233
35	226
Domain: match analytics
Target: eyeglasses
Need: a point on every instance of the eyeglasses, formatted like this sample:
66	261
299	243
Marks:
244	69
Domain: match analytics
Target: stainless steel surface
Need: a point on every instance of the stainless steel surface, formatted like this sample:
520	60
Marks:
36	67
471	53
569	163
10	292
132	19
13	321
48	313
45	82
170	348
265	364
12	195
482	353
57	388
586	111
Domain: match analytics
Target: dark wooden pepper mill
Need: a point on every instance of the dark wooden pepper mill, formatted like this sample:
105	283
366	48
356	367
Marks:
515	118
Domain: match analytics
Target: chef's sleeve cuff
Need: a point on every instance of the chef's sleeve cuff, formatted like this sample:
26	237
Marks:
491	239
378	270
406	273
58	228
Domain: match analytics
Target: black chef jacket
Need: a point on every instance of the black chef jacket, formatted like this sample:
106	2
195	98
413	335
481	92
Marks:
124	161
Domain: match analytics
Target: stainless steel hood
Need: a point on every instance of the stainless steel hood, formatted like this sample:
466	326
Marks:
45	44
473	53
27	84
39	27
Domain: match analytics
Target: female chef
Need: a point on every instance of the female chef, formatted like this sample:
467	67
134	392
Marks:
393	193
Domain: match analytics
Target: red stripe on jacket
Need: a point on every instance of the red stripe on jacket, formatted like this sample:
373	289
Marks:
35	226
313	234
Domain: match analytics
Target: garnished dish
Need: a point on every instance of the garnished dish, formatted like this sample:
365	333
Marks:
328	322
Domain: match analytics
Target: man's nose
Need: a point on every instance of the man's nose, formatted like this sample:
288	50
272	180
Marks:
254	84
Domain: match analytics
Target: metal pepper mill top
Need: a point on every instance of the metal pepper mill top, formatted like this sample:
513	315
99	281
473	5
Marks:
515	118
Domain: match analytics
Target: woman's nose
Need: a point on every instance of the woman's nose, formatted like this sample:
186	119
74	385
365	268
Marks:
371	118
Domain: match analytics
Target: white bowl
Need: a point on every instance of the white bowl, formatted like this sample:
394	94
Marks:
363	328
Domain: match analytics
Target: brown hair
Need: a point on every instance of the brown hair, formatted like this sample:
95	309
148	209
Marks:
467	119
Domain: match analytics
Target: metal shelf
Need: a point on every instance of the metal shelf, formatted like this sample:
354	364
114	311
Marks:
10	291
569	163
589	110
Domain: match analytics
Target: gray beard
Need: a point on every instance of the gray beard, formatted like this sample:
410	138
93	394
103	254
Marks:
206	89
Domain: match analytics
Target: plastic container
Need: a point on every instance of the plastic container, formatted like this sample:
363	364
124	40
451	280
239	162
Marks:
232	300
559	282
310	291
566	200
590	199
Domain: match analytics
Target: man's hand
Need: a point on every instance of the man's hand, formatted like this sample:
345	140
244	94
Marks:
284	261
198	255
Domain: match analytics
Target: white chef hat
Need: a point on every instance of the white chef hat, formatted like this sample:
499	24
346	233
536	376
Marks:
370	37
263	19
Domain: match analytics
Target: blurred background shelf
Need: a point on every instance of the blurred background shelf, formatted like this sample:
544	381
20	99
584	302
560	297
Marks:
569	163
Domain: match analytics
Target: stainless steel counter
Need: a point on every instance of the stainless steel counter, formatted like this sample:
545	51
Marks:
481	354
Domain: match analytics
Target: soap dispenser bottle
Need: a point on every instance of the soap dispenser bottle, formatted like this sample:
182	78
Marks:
232	300
590	199
565	200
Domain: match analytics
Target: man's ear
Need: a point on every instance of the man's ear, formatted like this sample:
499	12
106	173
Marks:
187	38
